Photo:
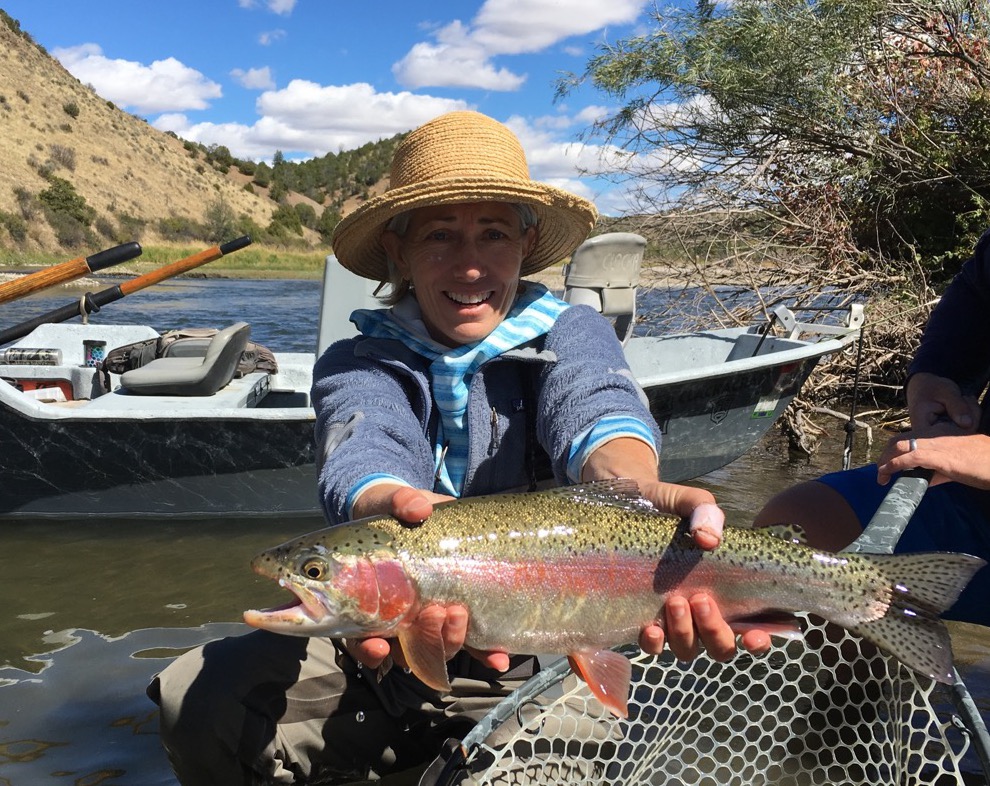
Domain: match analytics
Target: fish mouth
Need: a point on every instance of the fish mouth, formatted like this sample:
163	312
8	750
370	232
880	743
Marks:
306	610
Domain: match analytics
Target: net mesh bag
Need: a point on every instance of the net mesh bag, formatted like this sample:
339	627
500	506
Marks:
827	710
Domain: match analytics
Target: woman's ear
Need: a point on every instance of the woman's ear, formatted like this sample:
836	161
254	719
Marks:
530	239
392	244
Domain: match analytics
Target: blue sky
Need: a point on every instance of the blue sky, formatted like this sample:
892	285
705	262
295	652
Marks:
309	77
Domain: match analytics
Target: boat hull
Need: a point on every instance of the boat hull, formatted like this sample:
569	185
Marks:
195	468
248	450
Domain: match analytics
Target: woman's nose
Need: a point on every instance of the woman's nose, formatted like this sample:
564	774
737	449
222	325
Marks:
469	263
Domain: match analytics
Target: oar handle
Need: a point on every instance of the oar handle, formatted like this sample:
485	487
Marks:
67	271
91	301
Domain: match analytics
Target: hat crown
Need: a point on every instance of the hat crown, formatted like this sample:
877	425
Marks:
458	145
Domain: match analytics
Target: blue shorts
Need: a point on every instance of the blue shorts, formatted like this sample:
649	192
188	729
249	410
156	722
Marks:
950	517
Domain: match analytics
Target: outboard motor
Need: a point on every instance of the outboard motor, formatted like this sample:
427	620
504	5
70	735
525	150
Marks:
603	273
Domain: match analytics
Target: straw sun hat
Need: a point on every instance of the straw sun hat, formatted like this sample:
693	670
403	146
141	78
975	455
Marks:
462	157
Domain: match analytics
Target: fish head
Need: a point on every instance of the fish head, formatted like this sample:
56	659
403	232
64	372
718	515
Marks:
347	581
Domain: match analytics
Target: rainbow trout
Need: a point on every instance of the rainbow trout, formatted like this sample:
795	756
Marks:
580	569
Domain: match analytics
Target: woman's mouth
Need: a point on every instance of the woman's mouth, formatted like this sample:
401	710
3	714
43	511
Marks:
469	298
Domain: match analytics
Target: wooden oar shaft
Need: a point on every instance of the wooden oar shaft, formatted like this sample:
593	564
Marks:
67	271
182	266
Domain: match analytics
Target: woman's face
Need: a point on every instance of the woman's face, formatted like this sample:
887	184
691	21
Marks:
463	261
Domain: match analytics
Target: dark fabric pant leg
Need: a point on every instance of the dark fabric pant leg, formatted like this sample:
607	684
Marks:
265	708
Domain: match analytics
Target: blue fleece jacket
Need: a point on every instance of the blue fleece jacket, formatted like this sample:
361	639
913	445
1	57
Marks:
374	411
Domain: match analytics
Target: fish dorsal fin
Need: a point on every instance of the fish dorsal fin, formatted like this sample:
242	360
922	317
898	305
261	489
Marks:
607	674
422	644
614	492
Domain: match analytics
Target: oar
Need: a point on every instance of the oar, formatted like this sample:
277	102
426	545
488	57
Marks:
91	302
67	271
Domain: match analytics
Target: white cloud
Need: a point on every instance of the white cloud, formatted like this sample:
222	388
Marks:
311	119
462	54
254	78
164	86
518	26
453	66
281	7
270	37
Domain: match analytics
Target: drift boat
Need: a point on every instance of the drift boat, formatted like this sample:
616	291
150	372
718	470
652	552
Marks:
183	437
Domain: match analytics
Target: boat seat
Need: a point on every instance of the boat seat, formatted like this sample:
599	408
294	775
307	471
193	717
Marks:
192	376
603	273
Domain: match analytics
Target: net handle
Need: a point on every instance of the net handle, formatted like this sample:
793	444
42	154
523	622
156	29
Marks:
880	537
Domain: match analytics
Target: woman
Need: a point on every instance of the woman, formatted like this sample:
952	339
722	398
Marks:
464	386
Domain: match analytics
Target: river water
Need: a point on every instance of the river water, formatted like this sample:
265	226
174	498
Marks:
89	611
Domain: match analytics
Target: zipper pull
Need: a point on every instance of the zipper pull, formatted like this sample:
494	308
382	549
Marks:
443	455
493	445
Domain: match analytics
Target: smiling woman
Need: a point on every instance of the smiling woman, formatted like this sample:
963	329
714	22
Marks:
473	380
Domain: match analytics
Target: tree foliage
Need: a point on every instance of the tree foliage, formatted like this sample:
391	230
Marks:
850	131
812	147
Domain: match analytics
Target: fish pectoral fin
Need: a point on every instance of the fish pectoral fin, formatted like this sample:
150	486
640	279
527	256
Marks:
607	674
422	645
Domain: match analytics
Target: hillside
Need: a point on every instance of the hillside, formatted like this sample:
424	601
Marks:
130	175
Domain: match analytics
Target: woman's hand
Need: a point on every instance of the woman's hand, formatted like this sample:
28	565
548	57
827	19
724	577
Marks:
696	620
961	457
412	507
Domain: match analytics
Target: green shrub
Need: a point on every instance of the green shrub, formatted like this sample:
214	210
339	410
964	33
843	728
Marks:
71	108
70	232
129	228
219	220
307	215
285	220
262	175
16	226
105	227
27	202
61	197
180	228
328	221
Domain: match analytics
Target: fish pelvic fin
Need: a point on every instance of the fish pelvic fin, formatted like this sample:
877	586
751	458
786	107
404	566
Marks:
923	586
607	674
422	645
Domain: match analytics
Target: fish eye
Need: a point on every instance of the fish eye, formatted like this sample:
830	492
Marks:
314	568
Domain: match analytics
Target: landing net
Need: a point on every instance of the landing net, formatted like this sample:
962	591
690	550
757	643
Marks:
829	710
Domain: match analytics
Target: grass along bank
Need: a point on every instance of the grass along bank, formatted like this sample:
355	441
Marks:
250	262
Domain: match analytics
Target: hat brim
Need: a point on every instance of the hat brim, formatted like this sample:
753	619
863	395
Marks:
564	219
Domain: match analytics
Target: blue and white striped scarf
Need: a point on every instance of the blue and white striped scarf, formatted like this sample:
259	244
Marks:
451	370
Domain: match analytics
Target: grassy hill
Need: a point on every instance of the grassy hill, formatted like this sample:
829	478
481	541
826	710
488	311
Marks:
78	174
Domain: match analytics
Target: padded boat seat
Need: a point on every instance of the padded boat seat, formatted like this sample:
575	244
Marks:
603	273
192	376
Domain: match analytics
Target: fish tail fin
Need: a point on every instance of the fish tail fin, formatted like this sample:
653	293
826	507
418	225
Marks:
922	587
608	674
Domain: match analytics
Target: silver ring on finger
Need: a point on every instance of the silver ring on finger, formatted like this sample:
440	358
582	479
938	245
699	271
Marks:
912	444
